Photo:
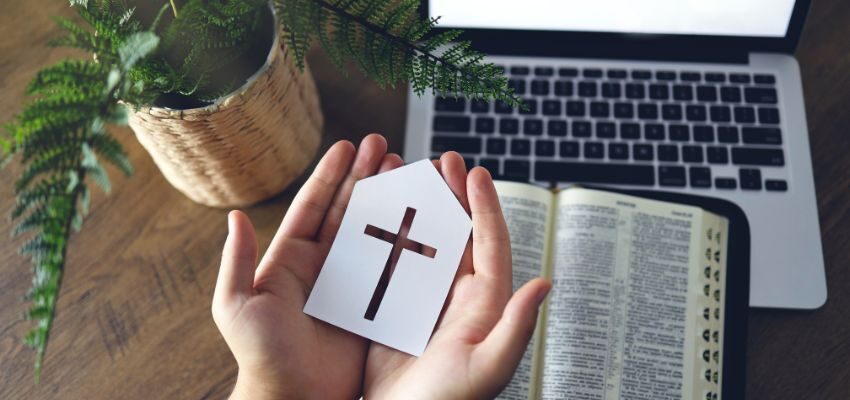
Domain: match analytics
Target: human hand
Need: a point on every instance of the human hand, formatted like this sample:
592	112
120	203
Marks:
282	352
483	331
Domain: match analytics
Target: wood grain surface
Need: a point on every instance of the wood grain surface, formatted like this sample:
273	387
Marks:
134	312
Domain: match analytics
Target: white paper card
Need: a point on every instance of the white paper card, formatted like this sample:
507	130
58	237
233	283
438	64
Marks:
347	293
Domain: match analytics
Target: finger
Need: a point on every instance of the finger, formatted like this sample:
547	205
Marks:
491	245
235	282
311	204
454	172
390	162
369	156
500	353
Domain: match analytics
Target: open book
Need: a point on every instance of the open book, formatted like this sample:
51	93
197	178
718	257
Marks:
637	304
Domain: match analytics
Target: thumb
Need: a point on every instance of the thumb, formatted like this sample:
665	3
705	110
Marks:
503	348
235	282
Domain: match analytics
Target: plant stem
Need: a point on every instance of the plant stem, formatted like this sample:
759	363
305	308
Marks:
173	8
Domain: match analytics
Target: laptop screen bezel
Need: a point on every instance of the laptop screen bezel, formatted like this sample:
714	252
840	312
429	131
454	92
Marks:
638	46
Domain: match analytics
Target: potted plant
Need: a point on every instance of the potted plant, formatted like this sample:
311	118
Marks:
217	91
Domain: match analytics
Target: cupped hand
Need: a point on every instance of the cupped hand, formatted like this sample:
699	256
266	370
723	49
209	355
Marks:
282	352
484	330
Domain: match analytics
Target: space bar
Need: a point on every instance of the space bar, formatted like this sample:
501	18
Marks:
553	171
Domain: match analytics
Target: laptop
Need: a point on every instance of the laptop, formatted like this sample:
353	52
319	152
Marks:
695	97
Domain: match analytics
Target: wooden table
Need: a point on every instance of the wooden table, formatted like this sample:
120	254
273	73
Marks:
134	318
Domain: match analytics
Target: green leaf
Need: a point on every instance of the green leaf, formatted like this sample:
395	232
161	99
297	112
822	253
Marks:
136	47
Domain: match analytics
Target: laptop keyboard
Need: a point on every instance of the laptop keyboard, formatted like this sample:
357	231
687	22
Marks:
617	126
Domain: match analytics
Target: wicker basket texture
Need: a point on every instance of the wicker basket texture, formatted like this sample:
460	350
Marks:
246	147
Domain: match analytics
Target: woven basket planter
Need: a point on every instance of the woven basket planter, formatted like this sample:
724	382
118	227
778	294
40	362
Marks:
244	148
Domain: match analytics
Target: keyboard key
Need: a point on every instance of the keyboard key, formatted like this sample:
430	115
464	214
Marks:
519	70
753	135
594	150
591	73
768	115
492	165
600	109
745	115
509	126
760	95
618	151
450	104
444	123
607	130
671	176
703	133
544	148
635	91
647	111
707	94
776	185
643	152
671	112
485	125
587	89
552	107
739	78
568	72
700	177
611	90
720	114
653	132
764	79
520	147
683	92
460	144
659	92
755	156
479	106
692	154
668	152
690	76
581	129
575	108
500	69
544	71
727	134
629	131
531	107
503	108
516	170
695	113
717	155
540	87
665	76
518	85
725	183
679	133
564	88
730	94
496	146
469	163
532	127
750	179
624	110
641	74
553	171
557	128
617	73
569	149
715	77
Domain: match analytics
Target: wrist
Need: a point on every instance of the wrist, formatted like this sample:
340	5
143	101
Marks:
250	386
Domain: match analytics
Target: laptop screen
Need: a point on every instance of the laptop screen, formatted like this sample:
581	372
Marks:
749	18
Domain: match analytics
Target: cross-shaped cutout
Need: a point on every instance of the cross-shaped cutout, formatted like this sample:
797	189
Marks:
400	242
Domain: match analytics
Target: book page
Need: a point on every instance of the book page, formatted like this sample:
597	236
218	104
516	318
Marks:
623	282
527	212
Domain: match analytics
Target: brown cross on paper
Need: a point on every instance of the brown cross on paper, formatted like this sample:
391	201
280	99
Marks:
400	242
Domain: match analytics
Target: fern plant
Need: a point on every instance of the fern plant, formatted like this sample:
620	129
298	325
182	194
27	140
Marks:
187	50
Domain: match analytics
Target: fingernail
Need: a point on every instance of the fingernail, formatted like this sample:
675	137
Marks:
541	295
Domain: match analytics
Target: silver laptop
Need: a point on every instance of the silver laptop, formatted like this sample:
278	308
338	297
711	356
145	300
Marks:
695	97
